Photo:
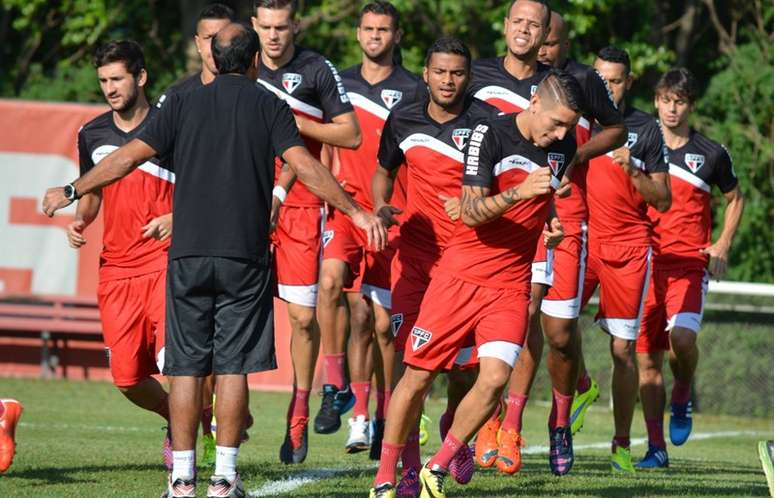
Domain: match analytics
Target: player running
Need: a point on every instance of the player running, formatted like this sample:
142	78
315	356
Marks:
10	413
513	163
622	185
137	228
683	260
311	86
375	87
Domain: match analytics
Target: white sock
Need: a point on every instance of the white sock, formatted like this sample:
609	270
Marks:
225	462
183	463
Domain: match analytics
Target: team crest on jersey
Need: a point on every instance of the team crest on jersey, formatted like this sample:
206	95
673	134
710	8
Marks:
532	90
419	337
391	97
694	162
555	161
327	236
290	81
397	321
460	137
632	140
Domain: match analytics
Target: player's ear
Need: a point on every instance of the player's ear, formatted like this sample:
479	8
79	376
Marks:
398	36
425	73
142	78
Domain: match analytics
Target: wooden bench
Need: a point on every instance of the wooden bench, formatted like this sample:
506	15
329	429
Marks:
56	320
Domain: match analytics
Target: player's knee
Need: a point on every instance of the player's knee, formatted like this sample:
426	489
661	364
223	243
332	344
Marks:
416	381
623	352
359	318
493	381
535	342
383	327
302	319
330	285
683	340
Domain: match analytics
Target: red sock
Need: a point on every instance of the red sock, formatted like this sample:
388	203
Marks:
410	457
656	432
451	445
681	392
584	382
361	390
299	404
621	442
163	407
388	463
334	369
382	403
514	409
560	410
207	420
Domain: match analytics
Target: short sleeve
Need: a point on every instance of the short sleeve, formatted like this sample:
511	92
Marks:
284	132
160	134
481	155
599	102
725	176
390	154
655	154
330	89
84	156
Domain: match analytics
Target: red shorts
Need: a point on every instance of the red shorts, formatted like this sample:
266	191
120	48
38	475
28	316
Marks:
296	243
453	309
622	274
410	279
369	271
568	268
132	314
675	299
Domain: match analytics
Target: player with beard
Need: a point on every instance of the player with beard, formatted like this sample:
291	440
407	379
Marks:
684	258
375	87
137	229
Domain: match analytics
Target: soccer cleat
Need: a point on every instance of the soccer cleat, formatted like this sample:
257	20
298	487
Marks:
11	414
424	435
180	488
409	484
208	450
580	404
560	456
385	490
680	423
377	435
295	446
621	460
508	452
220	487
766	454
359	434
334	403
166	448
655	458
431	483
486	443
461	466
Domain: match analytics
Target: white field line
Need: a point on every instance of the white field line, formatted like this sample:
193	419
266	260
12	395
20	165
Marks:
311	476
86	427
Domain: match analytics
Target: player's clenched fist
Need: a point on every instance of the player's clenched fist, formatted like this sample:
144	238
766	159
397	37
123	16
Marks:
537	183
75	234
452	206
55	200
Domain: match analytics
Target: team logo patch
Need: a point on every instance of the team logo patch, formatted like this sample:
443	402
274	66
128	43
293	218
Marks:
555	161
460	137
632	140
391	98
397	321
327	236
419	337
694	162
532	90
290	81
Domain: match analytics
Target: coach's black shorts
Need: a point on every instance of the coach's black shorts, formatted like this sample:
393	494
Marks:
220	317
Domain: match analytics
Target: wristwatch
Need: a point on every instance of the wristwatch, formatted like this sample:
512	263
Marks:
70	193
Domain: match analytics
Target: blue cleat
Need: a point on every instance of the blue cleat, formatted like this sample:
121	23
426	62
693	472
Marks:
680	423
655	458
334	404
560	458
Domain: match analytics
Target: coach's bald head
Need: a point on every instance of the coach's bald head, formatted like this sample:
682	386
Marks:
235	49
556	47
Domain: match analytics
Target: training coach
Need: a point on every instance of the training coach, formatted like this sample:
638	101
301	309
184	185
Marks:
224	137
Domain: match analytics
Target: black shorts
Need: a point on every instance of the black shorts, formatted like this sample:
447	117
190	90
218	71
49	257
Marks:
220	317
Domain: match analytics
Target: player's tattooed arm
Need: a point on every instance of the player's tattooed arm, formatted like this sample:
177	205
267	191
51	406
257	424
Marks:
478	207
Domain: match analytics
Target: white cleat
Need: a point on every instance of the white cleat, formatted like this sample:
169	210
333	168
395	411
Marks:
359	434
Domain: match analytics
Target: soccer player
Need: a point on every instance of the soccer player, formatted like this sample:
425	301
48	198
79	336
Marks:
137	228
312	87
375	87
622	185
428	137
684	258
512	164
10	413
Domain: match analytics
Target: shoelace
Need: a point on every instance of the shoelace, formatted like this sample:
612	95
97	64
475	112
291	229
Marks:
328	401
440	476
297	432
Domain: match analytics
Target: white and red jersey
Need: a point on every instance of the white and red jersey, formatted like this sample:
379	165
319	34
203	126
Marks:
313	89
617	212
433	154
500	253
686	228
128	204
373	104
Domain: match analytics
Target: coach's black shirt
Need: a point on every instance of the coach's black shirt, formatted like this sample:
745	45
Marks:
185	85
224	137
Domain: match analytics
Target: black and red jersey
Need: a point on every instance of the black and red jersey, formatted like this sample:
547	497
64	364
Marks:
681	232
500	253
617	211
128	204
433	154
373	104
312	87
185	85
493	84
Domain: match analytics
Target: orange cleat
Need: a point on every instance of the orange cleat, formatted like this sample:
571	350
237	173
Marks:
509	451
12	410
486	443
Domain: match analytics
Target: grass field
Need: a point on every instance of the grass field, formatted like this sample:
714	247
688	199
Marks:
81	439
